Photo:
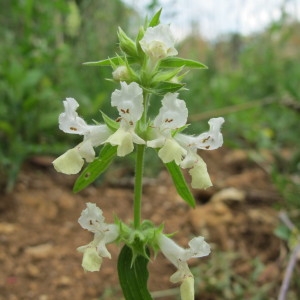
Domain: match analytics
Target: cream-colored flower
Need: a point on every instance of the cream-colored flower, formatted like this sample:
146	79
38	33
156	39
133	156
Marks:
129	102
182	148
179	256
72	161
92	219
158	42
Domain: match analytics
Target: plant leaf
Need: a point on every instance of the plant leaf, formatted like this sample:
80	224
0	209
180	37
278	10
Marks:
177	62
95	168
180	183
109	62
133	277
156	19
167	87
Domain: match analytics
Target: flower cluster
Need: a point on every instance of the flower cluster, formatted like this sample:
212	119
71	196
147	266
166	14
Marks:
147	66
164	134
92	219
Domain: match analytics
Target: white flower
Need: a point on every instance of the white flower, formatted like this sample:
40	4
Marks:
158	42
72	161
92	219
129	102
179	256
209	140
181	148
172	115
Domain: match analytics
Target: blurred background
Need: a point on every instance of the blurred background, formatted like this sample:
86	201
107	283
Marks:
251	48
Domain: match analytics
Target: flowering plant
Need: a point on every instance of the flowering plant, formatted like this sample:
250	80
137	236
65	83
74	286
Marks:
146	66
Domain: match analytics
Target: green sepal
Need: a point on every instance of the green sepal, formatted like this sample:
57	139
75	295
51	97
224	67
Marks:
127	45
180	129
113	61
110	123
177	62
139	239
140	35
180	183
166	76
155	19
166	87
96	167
133	278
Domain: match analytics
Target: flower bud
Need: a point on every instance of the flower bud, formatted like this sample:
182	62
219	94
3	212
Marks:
127	44
121	74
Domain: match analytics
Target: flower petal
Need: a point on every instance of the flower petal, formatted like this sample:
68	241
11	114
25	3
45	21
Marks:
129	102
200	176
97	134
212	139
71	162
158	42
86	150
122	139
69	121
187	290
170	151
92	218
91	260
172	115
198	247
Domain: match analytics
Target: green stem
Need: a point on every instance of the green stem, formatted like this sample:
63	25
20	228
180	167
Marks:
138	185
146	105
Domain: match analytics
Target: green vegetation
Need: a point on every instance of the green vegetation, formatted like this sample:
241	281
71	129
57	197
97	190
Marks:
43	46
252	81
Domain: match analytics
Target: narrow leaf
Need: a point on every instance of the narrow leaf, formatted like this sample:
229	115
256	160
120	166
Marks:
177	62
133	277
109	62
180	183
95	168
156	19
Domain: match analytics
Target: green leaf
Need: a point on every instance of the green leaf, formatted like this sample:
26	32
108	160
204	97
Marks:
109	62
126	43
95	168
156	19
133	277
180	183
111	124
167	75
177	62
167	87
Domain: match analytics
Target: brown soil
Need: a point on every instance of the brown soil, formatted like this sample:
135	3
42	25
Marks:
39	232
